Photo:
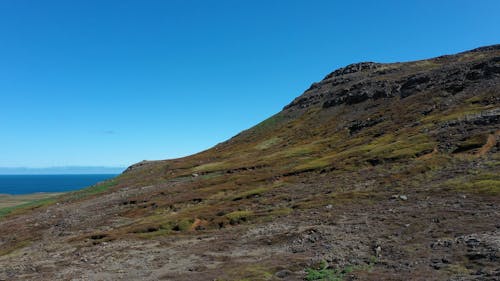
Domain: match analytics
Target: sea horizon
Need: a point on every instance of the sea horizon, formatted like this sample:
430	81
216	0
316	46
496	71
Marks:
62	170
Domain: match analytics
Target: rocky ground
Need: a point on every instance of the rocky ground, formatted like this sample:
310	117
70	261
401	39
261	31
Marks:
418	235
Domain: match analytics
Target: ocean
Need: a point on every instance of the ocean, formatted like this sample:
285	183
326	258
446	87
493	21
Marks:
25	184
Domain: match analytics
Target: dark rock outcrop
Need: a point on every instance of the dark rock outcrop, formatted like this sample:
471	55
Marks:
360	82
353	68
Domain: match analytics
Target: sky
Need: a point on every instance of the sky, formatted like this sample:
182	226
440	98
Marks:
111	83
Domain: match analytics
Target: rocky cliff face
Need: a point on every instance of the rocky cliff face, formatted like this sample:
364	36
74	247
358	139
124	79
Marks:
377	172
438	84
359	82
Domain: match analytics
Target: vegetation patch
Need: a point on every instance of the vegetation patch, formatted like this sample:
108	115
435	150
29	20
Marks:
403	147
486	183
491	186
324	273
268	143
237	217
314	164
301	150
154	229
208	167
281	211
456	113
249	273
182	225
14	247
250	193
26	206
93	190
269	123
354	153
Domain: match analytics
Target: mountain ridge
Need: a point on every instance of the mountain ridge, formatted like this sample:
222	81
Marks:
378	171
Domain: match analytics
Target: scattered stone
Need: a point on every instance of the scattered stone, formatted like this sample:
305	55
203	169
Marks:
401	197
283	273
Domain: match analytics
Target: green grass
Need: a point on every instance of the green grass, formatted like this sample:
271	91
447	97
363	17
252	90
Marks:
16	246
249	273
249	193
387	146
323	273
482	186
268	123
89	191
314	164
455	113
26	206
330	274
238	216
485	183
209	167
299	151
182	225
268	143
158	225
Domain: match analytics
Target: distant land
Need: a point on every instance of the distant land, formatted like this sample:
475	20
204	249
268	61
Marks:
65	170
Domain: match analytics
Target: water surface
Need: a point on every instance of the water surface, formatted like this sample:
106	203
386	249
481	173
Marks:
25	184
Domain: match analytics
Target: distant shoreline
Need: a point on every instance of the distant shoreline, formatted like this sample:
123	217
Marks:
64	170
31	194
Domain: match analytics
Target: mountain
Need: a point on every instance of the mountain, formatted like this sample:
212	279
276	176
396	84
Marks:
64	170
377	172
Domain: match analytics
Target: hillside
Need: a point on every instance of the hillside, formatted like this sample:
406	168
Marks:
377	172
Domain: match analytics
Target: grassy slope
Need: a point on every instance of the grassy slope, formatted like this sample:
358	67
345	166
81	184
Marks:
258	162
253	177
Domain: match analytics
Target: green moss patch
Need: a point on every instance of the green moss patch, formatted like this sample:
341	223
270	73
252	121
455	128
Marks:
268	143
486	183
208	167
239	216
250	193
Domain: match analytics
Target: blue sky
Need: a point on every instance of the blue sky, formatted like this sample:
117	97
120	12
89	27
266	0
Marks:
110	83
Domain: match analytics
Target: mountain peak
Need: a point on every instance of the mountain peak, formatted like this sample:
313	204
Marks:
359	82
353	68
